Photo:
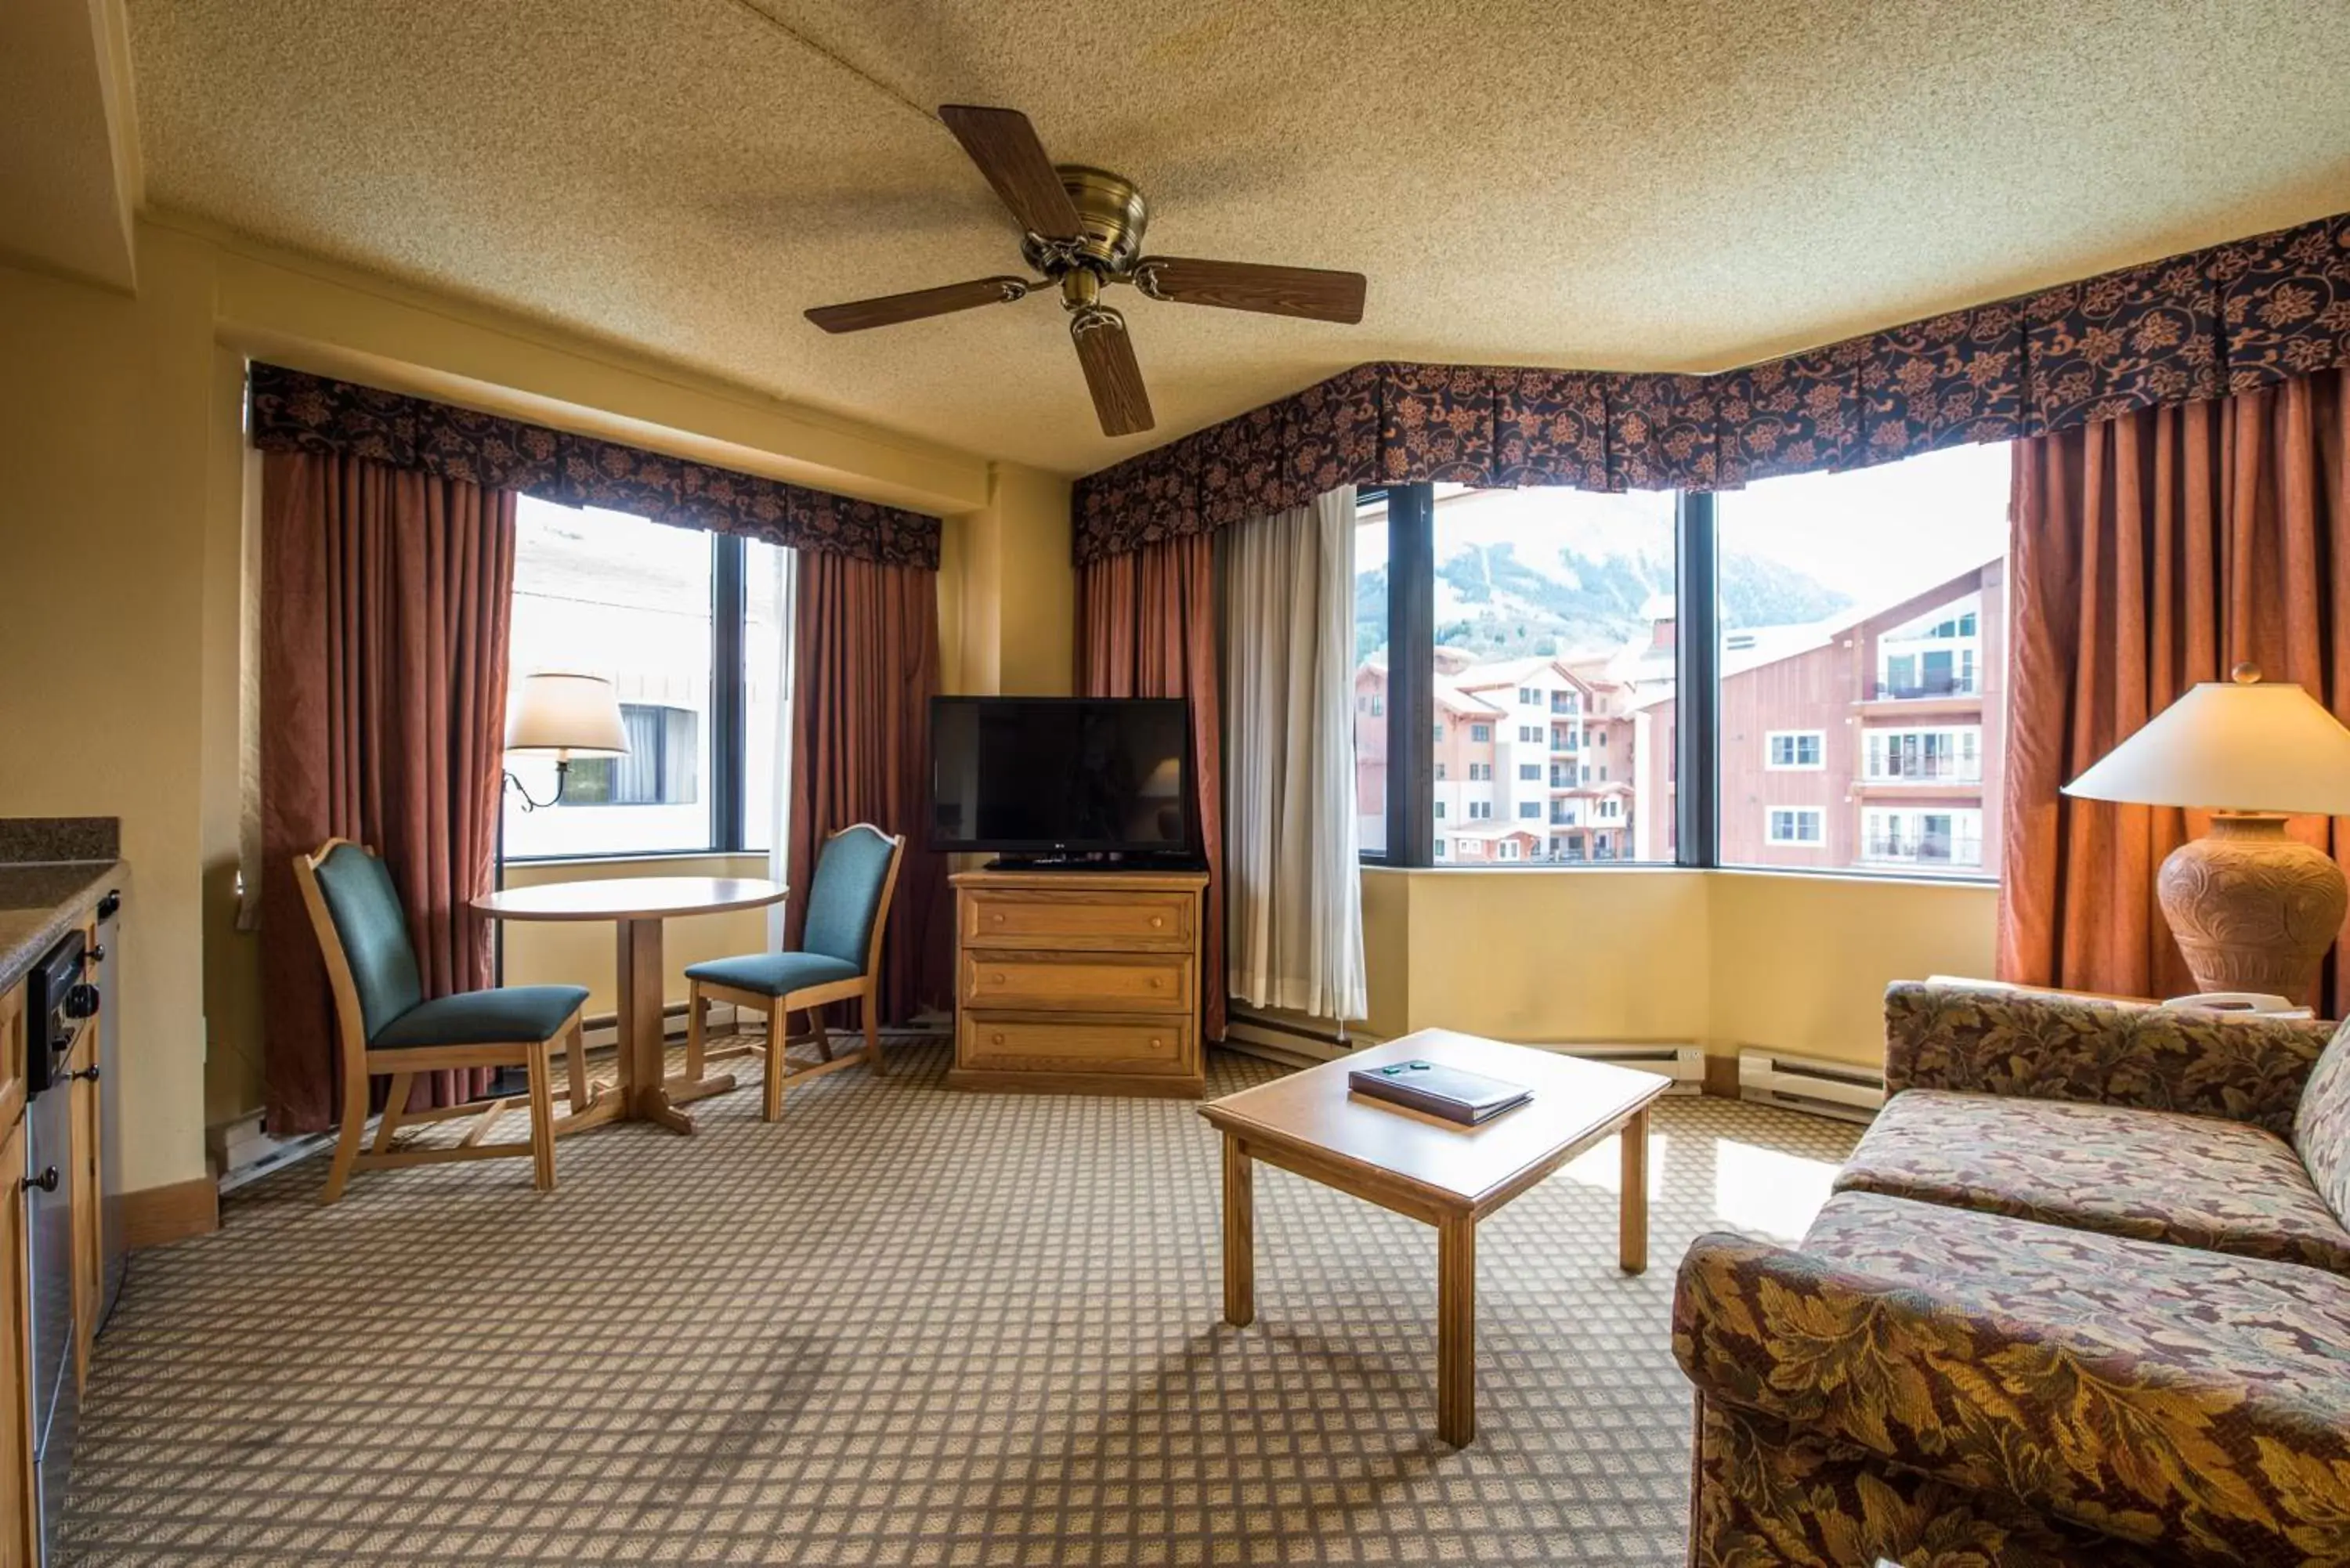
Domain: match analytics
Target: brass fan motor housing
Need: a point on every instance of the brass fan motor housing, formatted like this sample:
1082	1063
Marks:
1114	216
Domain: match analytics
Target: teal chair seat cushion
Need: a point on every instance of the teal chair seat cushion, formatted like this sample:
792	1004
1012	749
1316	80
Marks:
773	974
513	1014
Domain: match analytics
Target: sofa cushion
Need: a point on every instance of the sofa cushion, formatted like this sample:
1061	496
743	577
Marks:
2195	1181
2321	1129
2188	1401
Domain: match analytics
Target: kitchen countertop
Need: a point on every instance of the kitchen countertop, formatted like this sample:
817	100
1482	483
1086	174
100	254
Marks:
53	870
38	902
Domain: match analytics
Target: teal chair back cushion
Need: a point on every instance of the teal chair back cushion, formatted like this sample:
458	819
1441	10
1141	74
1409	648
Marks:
846	895
365	908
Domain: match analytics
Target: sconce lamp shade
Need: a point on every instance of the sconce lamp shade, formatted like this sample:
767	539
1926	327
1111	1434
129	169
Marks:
569	715
2239	745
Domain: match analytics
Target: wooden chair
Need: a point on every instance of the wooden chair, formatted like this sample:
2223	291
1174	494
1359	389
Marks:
387	1025
839	958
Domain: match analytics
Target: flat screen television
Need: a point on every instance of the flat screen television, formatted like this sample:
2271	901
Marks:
1064	780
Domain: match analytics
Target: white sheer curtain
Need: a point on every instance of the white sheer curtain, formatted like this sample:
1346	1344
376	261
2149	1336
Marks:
1294	887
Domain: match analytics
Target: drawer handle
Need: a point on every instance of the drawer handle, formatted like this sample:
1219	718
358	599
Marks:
995	1040
1156	1043
1156	983
995	919
1157	921
996	980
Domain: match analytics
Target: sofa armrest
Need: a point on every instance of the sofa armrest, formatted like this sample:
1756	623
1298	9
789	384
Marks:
2212	1442
2050	1046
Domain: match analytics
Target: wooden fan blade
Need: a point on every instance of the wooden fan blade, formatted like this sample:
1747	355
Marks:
1112	376
1304	291
885	309
1004	145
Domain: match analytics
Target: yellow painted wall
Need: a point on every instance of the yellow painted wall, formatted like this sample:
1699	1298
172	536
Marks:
1017	618
1723	959
106	420
1801	963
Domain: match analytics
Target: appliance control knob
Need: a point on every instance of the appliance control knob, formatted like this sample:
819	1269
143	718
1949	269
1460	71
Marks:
81	1002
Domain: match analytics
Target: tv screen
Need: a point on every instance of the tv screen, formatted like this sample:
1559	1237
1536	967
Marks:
1062	775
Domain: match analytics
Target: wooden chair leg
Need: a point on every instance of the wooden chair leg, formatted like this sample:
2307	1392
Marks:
772	1103
823	1028
541	1117
694	1043
347	1147
395	1106
871	1006
575	1055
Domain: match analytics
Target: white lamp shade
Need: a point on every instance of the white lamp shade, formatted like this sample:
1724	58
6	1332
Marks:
574	715
2264	746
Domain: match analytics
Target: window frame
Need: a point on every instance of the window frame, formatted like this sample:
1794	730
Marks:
729	724
1819	762
1693	743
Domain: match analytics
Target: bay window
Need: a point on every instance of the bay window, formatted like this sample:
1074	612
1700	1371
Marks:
1838	638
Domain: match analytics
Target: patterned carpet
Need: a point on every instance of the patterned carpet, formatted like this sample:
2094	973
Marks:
906	1325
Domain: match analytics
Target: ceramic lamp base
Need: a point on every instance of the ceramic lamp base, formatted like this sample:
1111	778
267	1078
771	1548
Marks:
2253	909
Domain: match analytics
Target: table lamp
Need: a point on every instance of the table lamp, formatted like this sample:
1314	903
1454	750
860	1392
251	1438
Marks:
2253	908
567	714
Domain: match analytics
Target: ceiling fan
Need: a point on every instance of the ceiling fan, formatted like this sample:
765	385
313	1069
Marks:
1083	229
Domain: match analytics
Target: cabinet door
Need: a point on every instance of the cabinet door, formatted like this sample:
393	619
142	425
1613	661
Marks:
17	1504
89	1240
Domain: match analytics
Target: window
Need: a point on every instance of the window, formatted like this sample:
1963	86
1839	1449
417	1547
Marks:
1924	756
1509	849
650	606
1871	603
1795	825
1786	749
1371	782
1558	626
1923	838
1439	810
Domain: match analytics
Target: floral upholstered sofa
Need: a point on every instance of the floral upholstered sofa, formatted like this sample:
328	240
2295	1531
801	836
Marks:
2081	1296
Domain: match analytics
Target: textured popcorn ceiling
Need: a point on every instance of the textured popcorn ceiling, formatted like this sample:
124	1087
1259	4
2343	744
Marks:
1629	183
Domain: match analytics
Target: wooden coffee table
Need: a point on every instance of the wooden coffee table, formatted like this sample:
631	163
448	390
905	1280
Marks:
1436	1171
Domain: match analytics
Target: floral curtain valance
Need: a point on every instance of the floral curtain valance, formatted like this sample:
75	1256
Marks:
294	412
2225	319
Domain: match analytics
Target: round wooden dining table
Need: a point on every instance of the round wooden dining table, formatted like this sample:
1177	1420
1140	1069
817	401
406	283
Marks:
636	906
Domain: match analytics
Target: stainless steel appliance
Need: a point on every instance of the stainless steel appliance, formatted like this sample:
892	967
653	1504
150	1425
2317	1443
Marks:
106	964
60	1002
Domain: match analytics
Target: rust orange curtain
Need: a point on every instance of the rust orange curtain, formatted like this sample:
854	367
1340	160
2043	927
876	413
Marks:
1147	627
2151	552
866	666
383	696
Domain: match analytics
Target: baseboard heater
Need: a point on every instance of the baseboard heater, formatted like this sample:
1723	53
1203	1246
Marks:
1299	1042
1839	1089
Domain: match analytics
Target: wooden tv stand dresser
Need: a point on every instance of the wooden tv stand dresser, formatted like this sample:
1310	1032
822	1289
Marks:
1078	981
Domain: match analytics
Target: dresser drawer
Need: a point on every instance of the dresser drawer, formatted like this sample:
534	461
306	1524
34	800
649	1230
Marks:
1077	919
1076	981
1047	1045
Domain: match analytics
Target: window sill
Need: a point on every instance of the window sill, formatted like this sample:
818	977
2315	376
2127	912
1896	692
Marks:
630	857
